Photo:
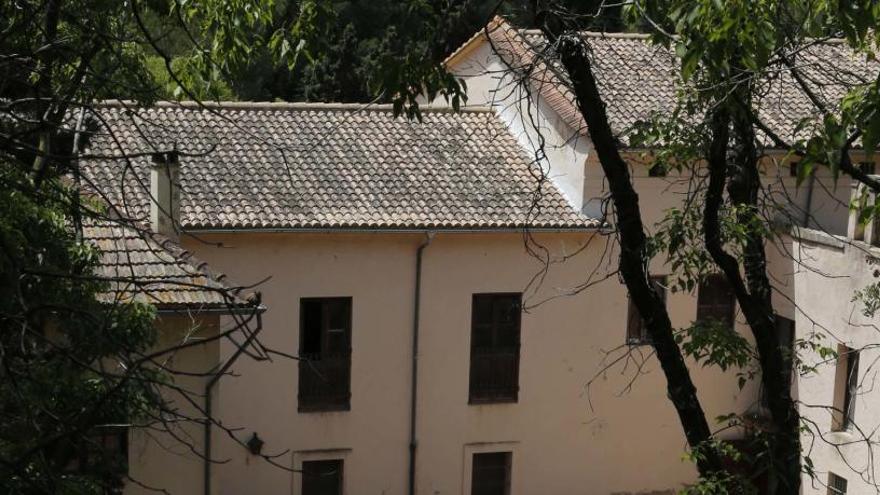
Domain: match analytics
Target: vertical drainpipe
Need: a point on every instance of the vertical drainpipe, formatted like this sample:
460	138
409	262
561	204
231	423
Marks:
415	363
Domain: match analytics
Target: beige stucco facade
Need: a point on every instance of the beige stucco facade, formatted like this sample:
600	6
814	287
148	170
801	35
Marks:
619	434
566	437
585	422
163	455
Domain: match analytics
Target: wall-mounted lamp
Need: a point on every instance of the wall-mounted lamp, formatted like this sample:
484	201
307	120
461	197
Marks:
255	444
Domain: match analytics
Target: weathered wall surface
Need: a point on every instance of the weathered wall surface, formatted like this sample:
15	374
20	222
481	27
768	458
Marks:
559	150
609	438
572	165
159	459
824	286
828	202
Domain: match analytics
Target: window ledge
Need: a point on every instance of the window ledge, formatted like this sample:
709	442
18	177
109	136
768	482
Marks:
841	436
323	409
489	402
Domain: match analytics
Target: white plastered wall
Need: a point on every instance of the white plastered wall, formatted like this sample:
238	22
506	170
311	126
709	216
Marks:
539	130
826	277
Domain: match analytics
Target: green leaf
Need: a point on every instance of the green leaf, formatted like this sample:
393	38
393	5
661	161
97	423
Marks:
871	135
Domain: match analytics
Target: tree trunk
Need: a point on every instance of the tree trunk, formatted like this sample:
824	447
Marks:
753	293
634	257
44	91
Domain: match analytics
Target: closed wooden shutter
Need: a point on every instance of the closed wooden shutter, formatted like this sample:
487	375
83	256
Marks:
495	334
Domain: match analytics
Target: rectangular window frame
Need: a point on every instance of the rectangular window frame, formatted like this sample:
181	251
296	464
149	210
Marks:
837	485
846	388
786	335
103	448
636	331
852	389
477	472
315	368
711	309
305	489
482	357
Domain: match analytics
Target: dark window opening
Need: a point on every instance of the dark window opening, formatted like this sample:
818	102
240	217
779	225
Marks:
656	170
322	477
495	328
867	168
103	454
716	301
793	168
325	354
490	474
851	356
785	336
836	484
636	330
875	225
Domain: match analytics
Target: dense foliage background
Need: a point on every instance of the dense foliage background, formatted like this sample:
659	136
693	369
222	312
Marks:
71	366
364	37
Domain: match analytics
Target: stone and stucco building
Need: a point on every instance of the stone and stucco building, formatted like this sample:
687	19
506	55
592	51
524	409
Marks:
452	299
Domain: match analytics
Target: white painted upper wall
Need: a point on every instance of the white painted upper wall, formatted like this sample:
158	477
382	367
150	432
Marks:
570	163
560	150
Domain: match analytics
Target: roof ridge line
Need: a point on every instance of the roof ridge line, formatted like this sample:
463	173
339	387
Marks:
288	105
647	36
595	34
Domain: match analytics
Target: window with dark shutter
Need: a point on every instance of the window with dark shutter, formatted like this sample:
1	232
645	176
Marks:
785	336
322	477
636	331
715	301
495	326
325	354
836	484
490	474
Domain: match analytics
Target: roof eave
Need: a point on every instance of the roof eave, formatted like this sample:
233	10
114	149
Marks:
215	309
404	230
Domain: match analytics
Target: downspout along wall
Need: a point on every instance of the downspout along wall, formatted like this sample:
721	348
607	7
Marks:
429	236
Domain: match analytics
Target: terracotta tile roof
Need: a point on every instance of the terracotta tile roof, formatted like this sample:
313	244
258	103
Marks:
638	78
145	267
302	166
